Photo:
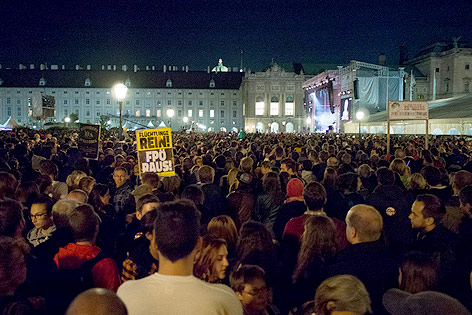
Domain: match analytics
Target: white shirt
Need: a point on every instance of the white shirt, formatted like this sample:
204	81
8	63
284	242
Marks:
175	295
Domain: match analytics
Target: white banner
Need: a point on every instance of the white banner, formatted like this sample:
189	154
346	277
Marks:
408	110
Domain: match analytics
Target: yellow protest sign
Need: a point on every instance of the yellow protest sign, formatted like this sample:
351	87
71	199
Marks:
155	151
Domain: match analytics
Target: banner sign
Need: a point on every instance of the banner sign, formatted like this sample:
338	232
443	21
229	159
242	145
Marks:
408	110
89	138
155	151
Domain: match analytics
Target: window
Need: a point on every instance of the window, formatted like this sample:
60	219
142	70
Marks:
169	102
18	92
234	114
87	82
97	102
212	122
190	103
212	103
76	101
137	102
148	113
98	114
137	92
169	83
200	103
66	112
65	102
235	103
259	106
179	113
222	122
189	93
274	106
87	113
222	94
76	92
87	101
179	102
212	84
437	69
65	92
289	107
98	92
128	82
138	113
87	92
466	87
189	113
222	103
159	113
42	82
8	100
467	67
200	113
180	93
8	111
158	102
18	111
128	102
108	101
222	114
18	102
212	113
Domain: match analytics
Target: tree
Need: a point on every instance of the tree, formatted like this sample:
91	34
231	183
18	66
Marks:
73	117
104	122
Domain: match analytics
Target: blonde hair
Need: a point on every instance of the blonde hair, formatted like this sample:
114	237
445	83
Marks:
347	292
74	178
205	258
399	166
416	181
86	184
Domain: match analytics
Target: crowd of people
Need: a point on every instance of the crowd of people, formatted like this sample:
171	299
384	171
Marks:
256	225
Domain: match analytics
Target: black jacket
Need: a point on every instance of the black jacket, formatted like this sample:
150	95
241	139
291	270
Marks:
373	265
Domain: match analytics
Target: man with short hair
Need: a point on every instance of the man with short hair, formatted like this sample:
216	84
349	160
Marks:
214	200
289	166
78	195
366	259
426	215
122	198
454	214
174	289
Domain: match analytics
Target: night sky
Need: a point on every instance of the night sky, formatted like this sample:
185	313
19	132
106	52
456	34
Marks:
197	33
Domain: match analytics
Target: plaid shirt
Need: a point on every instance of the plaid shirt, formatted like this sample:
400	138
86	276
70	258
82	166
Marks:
139	263
129	271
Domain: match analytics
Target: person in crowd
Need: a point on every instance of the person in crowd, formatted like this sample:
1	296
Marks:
418	273
366	259
83	223
59	190
99	199
224	227
122	200
454	214
141	258
417	185
26	193
41	216
432	237
97	301
433	178
399	167
241	201
176	236
78	195
249	283
74	178
86	184
343	294
12	275
214	200
211	260
293	206
289	166
317	250
390	200
195	194
268	201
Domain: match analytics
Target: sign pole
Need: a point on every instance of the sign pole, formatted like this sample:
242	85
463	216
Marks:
427	136
388	129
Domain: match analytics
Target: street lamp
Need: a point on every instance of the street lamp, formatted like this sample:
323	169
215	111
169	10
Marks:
120	91
308	122
360	116
67	121
170	114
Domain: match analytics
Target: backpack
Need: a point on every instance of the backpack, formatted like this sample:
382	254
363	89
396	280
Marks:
71	282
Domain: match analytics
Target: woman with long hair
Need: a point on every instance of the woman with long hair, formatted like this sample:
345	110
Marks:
211	260
99	199
224	227
269	201
318	247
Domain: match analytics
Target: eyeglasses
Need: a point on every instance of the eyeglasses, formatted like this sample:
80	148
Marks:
256	292
37	216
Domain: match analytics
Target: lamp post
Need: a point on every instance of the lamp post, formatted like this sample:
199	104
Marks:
120	91
360	116
170	114
67	121
308	122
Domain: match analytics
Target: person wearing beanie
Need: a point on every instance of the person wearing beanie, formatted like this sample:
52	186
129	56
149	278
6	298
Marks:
293	206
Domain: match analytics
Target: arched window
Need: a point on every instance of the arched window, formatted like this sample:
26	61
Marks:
289	127
87	82
128	82
274	106
259	106
42	82
274	127
212	83
466	86
453	131
260	127
169	83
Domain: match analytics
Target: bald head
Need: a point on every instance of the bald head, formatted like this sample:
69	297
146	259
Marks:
363	224
78	195
96	302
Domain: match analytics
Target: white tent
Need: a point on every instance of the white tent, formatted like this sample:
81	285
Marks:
9	125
